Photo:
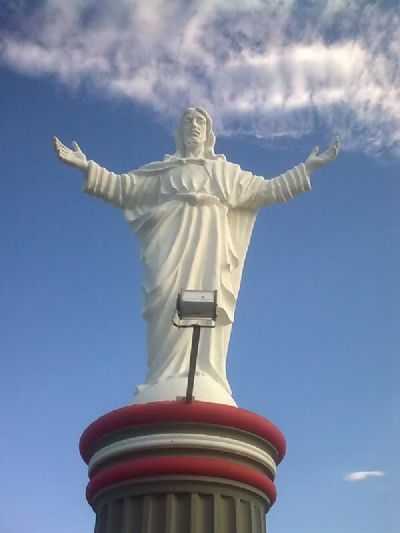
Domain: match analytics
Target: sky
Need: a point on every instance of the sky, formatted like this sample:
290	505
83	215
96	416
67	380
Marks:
315	341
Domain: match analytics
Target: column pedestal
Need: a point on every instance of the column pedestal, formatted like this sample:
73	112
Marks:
178	467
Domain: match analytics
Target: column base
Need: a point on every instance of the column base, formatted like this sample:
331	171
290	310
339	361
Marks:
179	467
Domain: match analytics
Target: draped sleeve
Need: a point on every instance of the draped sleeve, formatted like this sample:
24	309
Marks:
254	192
121	190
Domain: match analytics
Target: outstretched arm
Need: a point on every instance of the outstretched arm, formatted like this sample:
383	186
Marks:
262	192
118	189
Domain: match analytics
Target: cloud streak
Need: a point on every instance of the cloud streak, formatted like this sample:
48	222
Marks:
363	475
262	68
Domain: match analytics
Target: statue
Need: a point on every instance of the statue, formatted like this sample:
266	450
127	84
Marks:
194	214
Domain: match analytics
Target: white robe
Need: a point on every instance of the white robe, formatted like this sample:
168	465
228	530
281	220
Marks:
194	219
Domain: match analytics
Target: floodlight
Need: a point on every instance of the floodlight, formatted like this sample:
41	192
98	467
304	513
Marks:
195	309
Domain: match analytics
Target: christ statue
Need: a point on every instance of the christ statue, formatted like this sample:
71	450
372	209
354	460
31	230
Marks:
193	213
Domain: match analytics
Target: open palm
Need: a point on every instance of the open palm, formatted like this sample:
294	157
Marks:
74	157
317	159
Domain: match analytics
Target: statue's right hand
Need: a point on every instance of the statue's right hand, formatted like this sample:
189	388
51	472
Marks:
74	157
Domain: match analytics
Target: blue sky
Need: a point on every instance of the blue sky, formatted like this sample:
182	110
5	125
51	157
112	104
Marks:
315	343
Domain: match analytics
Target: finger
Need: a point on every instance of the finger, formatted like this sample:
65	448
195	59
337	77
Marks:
61	150
332	151
76	147
336	145
59	145
315	150
56	142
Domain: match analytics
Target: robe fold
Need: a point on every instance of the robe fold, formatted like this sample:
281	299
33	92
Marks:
194	219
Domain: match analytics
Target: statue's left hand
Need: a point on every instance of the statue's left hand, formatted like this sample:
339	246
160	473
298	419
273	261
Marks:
74	157
318	159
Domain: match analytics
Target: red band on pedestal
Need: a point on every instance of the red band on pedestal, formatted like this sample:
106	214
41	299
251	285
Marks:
181	412
140	469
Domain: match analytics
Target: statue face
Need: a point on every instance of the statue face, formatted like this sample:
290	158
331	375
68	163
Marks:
194	128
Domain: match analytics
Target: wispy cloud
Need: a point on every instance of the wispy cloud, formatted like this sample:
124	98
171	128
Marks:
265	68
363	475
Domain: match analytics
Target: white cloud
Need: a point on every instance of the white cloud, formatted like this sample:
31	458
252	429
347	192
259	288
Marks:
363	475
264	68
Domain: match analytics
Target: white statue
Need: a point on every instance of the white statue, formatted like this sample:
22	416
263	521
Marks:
194	214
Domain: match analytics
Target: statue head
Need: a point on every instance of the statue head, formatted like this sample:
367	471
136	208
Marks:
195	127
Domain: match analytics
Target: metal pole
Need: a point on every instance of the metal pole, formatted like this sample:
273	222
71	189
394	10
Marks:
192	364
